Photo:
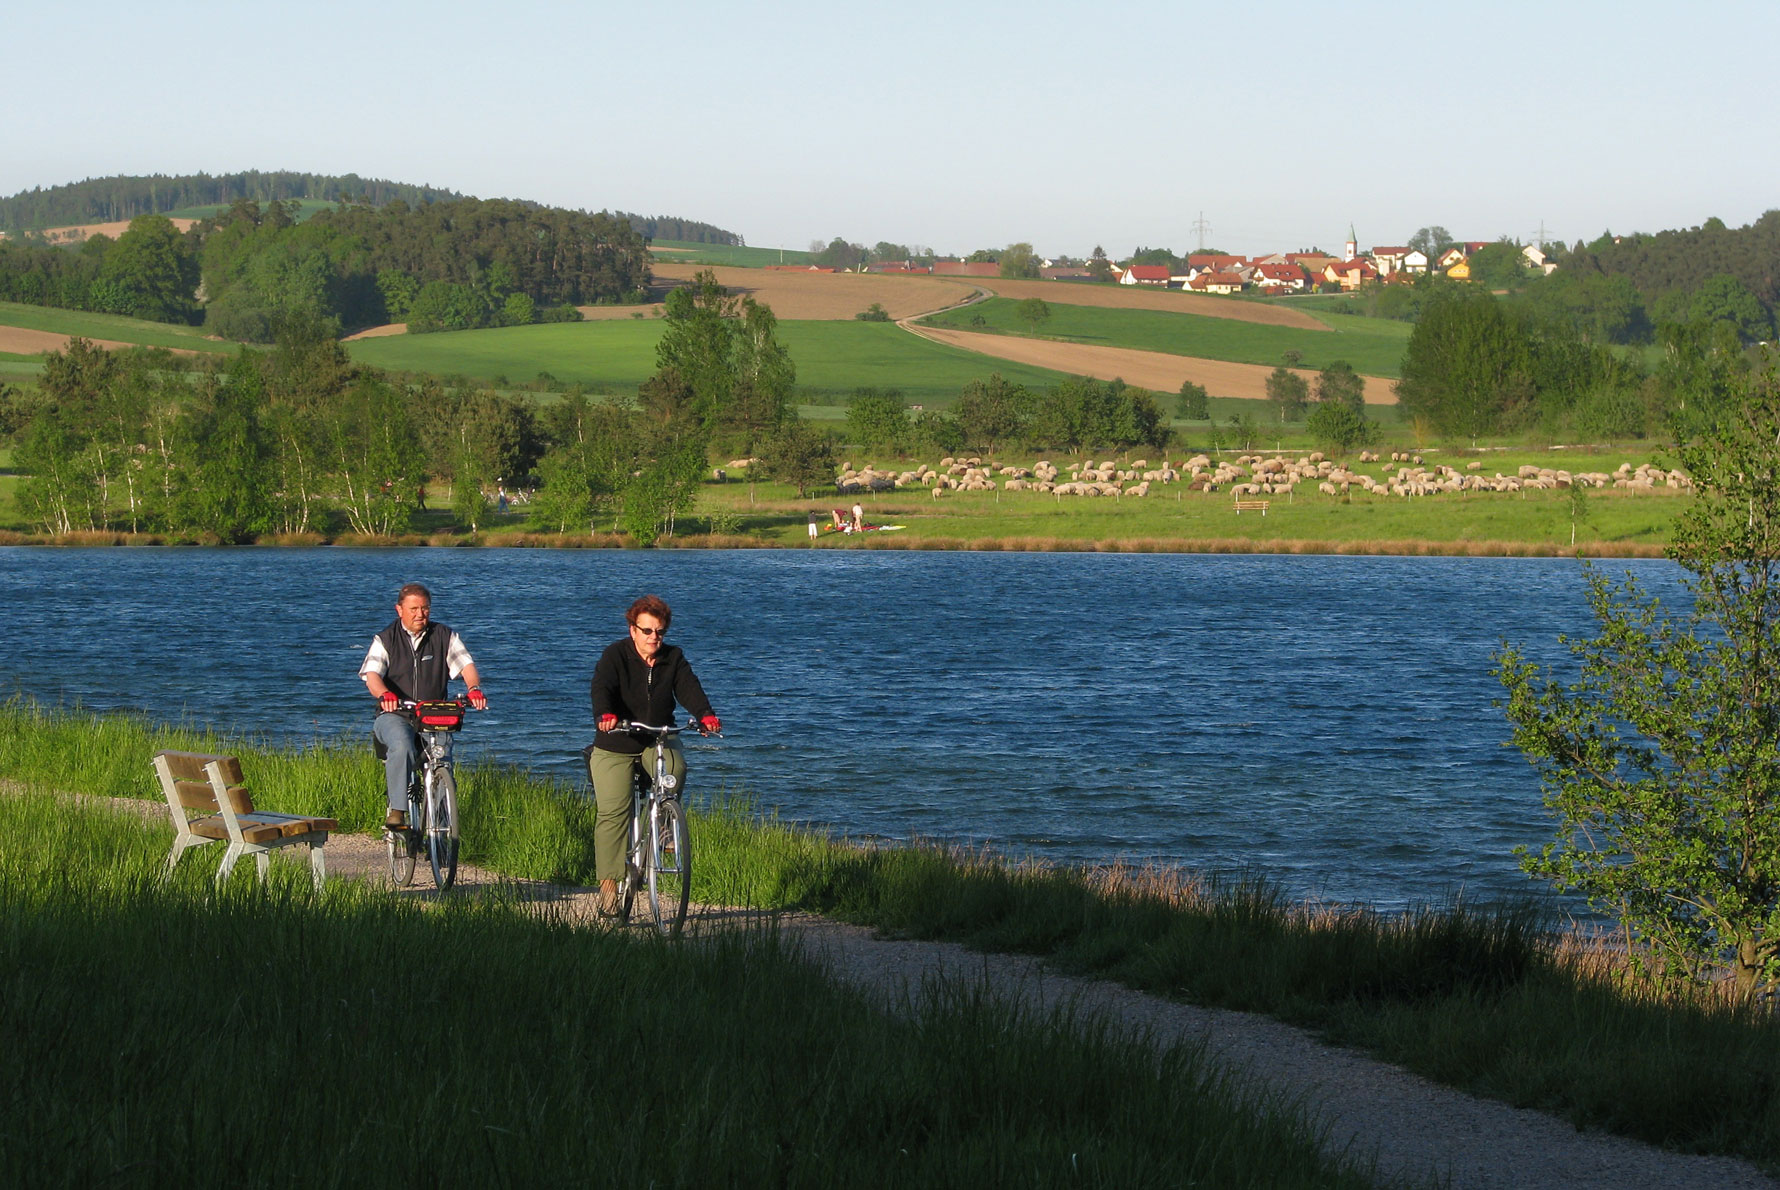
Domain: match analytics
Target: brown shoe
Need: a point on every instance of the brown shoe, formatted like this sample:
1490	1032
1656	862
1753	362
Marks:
396	820
606	904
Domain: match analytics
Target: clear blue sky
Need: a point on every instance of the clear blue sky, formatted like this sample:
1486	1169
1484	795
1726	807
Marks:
953	125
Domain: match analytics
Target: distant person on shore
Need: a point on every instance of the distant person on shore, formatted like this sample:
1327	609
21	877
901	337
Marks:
858	518
840	521
639	678
501	500
814	528
413	660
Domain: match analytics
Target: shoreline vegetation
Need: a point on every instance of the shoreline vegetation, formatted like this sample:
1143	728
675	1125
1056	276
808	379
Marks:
736	541
1493	1000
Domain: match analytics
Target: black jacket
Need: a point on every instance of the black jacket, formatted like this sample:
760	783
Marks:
422	674
626	686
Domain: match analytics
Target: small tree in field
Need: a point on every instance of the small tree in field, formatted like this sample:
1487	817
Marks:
1033	312
1660	759
1194	403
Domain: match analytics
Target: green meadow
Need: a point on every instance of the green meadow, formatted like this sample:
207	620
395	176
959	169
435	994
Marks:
1173	518
108	326
304	208
1374	346
615	356
738	255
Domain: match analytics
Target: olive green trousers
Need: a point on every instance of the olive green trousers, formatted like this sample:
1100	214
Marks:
610	773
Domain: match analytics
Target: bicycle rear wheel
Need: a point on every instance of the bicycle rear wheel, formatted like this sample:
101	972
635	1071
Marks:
670	866
441	829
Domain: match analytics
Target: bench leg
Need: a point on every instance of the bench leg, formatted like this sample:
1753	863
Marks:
180	847
228	863
318	864
263	860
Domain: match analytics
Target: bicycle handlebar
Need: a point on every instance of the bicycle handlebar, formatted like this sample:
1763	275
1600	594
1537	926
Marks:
661	733
408	704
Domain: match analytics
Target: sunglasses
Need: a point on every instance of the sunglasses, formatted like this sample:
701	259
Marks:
648	631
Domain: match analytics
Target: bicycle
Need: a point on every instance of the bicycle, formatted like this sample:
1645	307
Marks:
659	858
432	798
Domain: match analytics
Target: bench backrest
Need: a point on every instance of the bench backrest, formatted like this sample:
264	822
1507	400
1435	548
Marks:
186	779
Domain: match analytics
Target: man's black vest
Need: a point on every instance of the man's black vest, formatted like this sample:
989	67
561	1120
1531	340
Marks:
422	674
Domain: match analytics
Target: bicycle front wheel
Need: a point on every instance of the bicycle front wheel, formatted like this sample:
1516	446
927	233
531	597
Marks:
404	847
670	866
441	829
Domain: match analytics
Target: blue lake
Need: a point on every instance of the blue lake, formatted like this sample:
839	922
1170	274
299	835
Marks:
1328	720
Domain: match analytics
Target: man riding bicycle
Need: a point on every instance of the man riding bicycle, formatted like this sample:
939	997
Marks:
412	660
639	678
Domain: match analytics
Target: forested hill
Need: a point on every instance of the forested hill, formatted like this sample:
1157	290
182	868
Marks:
107	200
1670	266
668	227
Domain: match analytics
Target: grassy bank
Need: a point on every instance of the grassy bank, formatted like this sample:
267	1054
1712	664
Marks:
156	1034
1483	1000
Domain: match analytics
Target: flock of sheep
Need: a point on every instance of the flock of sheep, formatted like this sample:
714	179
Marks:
1247	475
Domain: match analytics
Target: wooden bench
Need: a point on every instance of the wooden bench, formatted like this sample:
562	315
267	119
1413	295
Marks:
213	786
1259	506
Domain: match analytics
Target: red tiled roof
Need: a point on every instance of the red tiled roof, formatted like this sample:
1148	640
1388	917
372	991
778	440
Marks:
1149	272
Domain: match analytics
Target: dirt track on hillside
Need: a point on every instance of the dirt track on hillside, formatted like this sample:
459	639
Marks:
1144	297
1154	370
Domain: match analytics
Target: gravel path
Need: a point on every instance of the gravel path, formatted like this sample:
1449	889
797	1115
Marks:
1418	1132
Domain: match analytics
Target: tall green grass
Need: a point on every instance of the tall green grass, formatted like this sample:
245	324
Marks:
1482	998
154	1033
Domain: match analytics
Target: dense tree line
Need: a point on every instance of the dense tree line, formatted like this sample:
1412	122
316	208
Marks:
301	440
1477	364
438	266
996	414
1670	267
671	227
110	200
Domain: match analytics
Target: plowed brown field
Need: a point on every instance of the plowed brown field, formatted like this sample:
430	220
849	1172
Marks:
796	296
79	233
1143	297
1151	369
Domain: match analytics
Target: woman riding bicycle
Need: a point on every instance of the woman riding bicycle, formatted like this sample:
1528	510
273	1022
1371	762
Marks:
638	679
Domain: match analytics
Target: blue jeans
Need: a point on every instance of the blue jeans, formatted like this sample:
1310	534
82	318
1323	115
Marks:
396	733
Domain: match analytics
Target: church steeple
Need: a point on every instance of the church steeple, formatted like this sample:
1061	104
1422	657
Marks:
1353	245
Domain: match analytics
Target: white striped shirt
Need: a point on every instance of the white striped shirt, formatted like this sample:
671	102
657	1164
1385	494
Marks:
377	659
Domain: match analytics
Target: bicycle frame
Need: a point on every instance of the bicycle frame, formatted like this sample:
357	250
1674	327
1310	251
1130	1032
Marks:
432	811
659	858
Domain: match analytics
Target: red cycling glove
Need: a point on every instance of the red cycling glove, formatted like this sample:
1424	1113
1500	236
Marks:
711	724
477	698
387	700
608	722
